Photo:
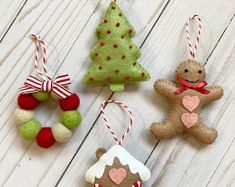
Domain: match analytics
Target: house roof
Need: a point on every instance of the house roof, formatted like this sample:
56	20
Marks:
125	158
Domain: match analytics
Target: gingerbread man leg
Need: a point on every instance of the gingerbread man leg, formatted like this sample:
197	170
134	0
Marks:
203	134
164	130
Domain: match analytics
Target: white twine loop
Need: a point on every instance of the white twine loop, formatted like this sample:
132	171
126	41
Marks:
193	49
108	125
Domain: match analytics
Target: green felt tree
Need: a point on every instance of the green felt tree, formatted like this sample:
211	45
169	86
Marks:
115	55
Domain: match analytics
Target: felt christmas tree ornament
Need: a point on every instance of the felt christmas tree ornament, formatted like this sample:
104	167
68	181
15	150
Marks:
37	90
116	167
115	55
187	97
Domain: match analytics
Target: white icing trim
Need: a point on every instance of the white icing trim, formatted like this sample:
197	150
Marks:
97	170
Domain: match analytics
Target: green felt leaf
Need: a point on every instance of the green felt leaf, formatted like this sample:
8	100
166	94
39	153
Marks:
115	55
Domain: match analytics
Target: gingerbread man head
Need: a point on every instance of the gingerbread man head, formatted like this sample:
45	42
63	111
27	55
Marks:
191	71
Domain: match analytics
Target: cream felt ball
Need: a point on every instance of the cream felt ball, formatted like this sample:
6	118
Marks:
22	116
41	96
53	96
71	119
61	133
30	129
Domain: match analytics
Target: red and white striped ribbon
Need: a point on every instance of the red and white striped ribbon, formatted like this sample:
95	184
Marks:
108	125
193	48
39	43
137	184
33	84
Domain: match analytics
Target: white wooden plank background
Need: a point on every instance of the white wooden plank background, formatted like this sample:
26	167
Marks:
68	27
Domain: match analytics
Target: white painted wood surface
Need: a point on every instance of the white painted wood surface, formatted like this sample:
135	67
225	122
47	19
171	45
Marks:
68	27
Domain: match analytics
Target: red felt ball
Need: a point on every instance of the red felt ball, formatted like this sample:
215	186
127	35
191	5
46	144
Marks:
45	138
70	103
27	101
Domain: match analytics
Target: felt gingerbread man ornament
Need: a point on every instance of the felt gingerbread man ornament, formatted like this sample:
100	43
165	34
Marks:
116	167
187	97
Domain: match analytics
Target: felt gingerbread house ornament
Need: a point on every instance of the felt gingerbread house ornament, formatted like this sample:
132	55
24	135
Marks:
187	97
115	55
116	167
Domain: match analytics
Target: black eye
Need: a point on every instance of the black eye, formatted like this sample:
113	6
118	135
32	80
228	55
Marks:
200	71
186	70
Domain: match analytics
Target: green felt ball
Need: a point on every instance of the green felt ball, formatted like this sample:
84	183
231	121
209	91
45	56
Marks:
30	129
71	119
41	96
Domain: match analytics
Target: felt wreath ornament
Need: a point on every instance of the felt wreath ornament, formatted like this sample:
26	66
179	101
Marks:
36	91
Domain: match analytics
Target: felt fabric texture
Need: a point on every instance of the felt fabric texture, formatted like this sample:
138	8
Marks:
115	168
53	96
117	175
41	96
128	181
30	130
115	55
45	138
191	103
71	119
189	119
184	115
70	103
60	133
22	116
27	102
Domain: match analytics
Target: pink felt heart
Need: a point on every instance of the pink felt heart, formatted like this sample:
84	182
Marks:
117	175
191	103
189	119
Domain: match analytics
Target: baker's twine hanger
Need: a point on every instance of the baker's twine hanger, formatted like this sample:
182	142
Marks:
192	53
119	142
47	84
193	47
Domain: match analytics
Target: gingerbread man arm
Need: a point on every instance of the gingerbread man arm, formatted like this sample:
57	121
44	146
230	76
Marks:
216	92
165	88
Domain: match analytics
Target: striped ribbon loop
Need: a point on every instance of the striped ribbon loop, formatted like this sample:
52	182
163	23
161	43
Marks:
33	84
109	126
193	49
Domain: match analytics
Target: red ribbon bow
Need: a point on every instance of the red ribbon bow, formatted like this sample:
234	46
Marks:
186	85
57	86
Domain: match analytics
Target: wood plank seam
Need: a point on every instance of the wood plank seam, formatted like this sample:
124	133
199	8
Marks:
12	22
219	39
142	44
76	152
213	49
